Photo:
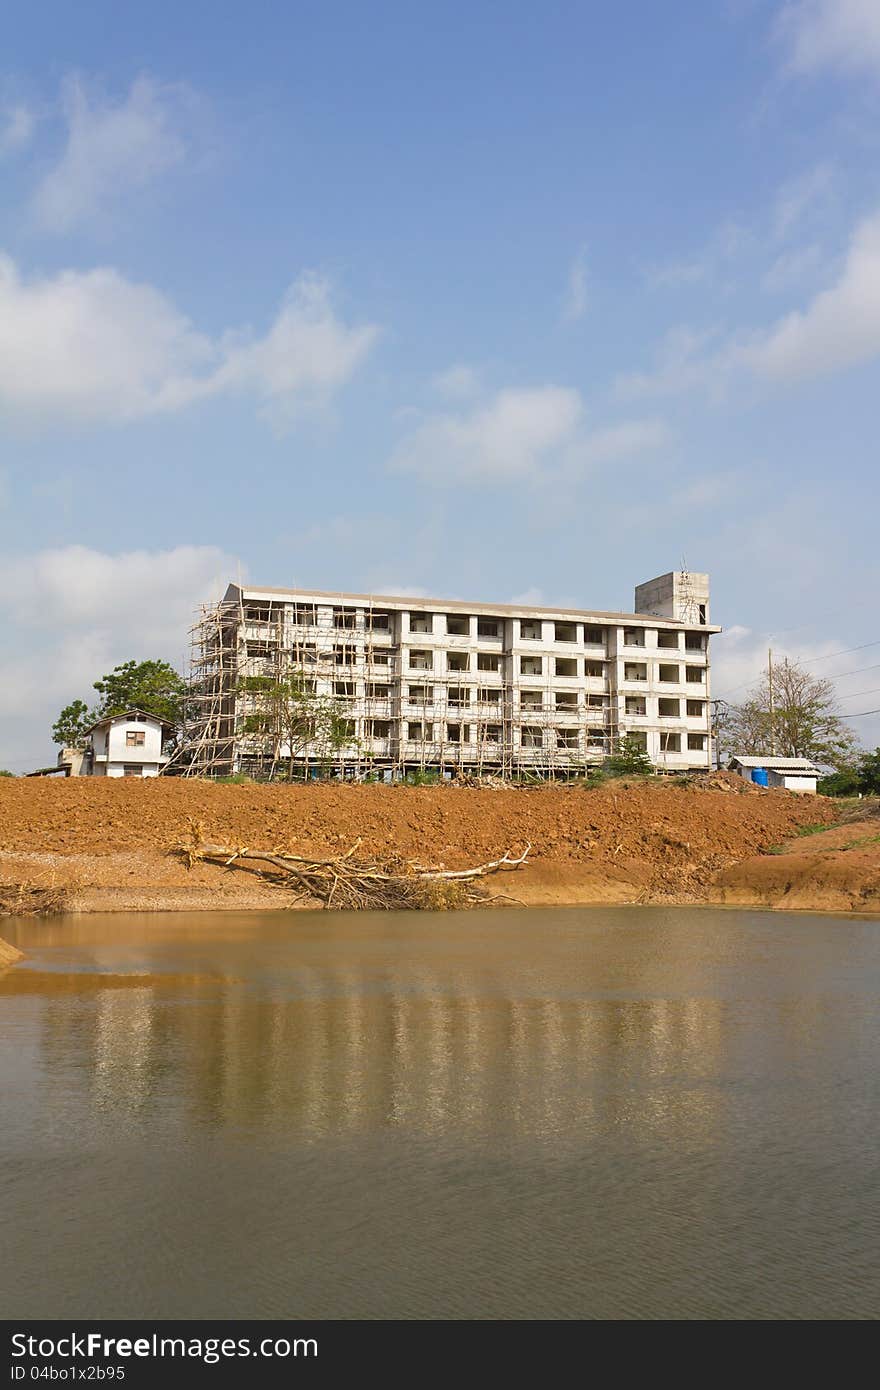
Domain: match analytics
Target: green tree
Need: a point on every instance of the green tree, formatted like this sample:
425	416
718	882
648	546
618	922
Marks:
844	783
869	773
804	722
292	721
629	758
70	727
152	686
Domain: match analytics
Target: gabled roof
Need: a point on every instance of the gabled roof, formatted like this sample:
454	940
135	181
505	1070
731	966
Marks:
129	714
778	764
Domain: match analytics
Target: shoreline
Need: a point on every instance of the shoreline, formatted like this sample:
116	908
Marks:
90	847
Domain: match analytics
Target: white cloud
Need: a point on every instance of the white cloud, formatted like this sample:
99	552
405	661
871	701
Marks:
791	267
457	382
575	303
839	34
529	598
709	490
16	129
79	612
510	436
524	433
94	346
728	244
685	362
839	328
800	195
111	149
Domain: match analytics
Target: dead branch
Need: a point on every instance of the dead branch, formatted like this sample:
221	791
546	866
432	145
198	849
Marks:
351	884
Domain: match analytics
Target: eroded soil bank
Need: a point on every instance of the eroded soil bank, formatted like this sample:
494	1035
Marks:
110	845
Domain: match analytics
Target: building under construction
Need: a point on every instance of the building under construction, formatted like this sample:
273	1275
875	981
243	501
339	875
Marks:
298	683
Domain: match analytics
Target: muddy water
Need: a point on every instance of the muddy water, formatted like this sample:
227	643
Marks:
572	1113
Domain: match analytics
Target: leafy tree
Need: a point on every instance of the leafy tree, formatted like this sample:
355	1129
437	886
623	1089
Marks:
629	758
285	712
869	773
804	723
4	772
70	727
152	686
844	783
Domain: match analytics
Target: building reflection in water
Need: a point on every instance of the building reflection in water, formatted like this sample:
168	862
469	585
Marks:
349	1054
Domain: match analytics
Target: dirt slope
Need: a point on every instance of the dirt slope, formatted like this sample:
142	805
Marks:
835	870
110	842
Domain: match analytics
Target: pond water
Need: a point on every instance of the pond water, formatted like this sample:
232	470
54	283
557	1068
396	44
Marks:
604	1112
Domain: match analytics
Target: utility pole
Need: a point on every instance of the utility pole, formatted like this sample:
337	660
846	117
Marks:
772	702
719	712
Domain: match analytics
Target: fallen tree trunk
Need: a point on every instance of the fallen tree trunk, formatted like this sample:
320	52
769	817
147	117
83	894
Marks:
356	884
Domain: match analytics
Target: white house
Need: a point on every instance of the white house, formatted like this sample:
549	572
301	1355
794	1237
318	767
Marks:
794	774
125	745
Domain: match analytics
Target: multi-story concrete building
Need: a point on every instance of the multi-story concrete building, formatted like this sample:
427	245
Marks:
442	684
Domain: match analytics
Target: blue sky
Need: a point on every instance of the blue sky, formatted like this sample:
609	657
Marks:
479	300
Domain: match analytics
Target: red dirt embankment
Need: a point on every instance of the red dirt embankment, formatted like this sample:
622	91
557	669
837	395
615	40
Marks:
109	843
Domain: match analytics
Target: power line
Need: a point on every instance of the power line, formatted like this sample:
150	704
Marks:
852	695
839	677
829	655
861	714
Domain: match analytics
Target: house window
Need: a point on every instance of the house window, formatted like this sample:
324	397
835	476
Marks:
594	636
529	630
488	627
419	732
531	665
532	737
132	770
594	669
135	738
